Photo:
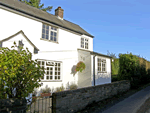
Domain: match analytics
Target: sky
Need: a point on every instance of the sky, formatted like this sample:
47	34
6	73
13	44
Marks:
118	26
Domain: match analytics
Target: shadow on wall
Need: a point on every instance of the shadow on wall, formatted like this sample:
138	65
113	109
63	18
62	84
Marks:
101	78
73	70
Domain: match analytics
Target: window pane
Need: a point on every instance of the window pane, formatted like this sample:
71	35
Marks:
51	38
51	68
46	36
51	77
58	64
51	33
43	36
58	73
82	39
51	27
51	73
58	69
47	73
47	32
42	62
47	27
55	73
43	30
55	68
55	64
58	77
55	39
54	33
55	77
39	62
47	77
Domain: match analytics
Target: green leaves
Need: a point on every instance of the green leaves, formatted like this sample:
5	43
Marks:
80	66
18	70
37	4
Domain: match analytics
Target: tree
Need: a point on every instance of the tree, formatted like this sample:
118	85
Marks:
111	54
37	4
17	70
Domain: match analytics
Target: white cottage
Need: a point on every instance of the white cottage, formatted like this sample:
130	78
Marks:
55	41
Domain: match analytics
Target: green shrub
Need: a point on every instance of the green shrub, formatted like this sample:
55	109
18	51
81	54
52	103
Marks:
46	89
73	86
18	70
114	78
58	89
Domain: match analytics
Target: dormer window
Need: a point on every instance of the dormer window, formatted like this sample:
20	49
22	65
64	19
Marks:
84	43
49	33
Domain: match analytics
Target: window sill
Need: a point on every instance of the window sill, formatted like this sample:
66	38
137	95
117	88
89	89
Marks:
49	40
103	72
51	80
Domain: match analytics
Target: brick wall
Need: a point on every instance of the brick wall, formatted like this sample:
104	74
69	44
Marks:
74	100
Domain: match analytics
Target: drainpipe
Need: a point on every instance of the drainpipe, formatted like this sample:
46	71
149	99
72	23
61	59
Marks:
94	69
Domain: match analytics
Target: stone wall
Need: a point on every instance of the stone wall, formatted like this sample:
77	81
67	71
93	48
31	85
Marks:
73	100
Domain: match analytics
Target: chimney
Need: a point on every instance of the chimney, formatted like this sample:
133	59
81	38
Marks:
59	12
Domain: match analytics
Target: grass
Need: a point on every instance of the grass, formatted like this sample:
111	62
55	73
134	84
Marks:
107	103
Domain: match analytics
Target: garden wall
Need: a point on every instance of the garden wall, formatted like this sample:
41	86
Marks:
73	100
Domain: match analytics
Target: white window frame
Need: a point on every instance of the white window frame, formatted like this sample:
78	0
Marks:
85	41
53	66
100	65
54	30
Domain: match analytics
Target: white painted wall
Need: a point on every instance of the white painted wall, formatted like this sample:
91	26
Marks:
16	39
33	30
84	77
65	50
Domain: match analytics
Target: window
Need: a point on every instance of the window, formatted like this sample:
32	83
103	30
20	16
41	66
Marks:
52	70
49	33
84	43
101	65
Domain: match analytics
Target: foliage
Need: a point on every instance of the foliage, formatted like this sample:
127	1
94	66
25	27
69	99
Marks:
58	89
114	78
80	66
73	86
111	54
37	4
128	66
115	66
17	70
46	89
34	92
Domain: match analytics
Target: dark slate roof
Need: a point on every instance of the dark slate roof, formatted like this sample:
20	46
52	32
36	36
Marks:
95	53
23	35
35	12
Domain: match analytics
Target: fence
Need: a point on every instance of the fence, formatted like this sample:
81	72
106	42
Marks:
41	105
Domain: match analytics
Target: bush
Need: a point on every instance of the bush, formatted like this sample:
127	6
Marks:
18	71
58	89
46	89
73	86
114	78
34	92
